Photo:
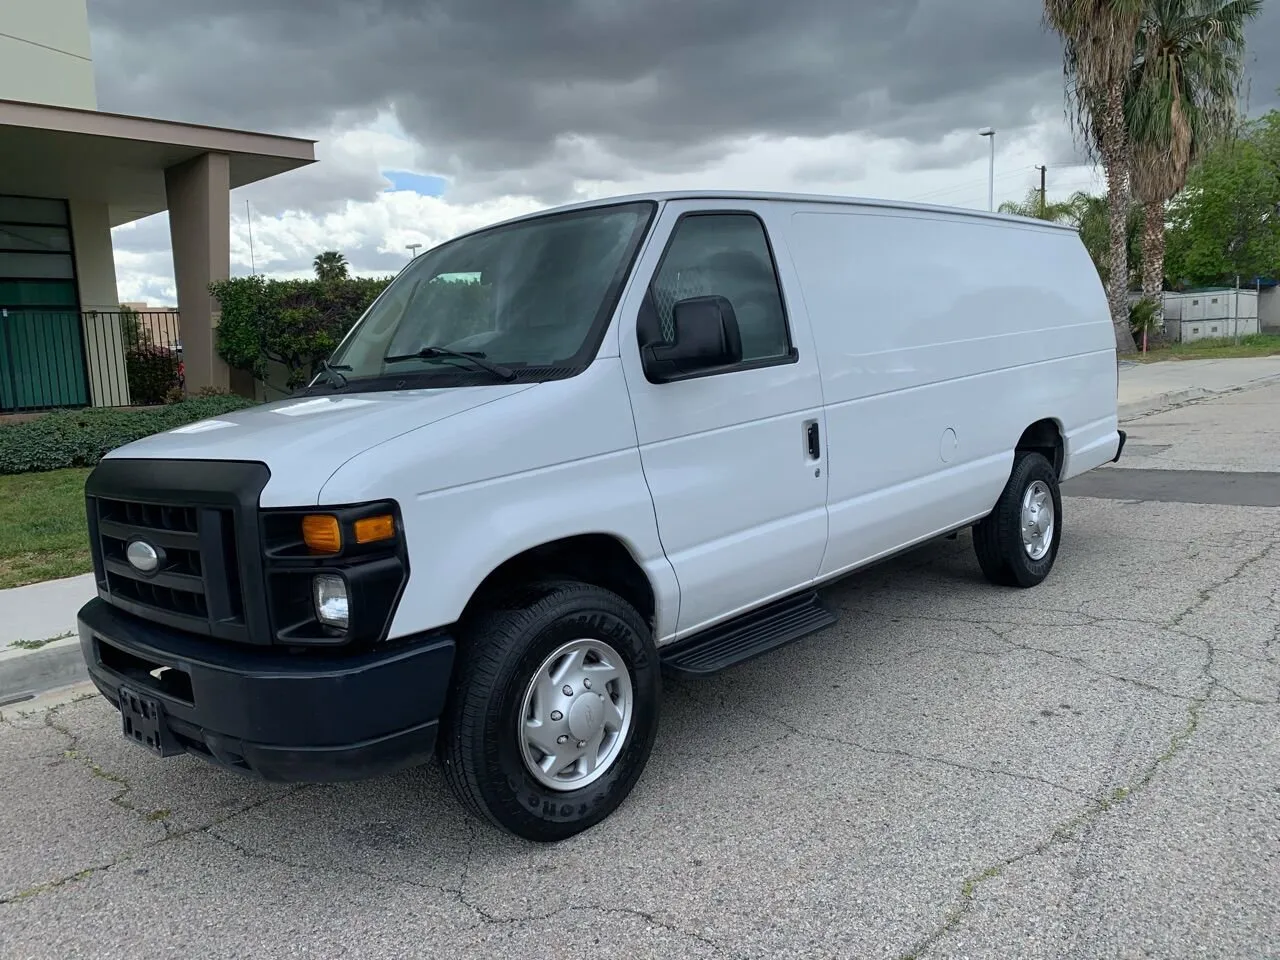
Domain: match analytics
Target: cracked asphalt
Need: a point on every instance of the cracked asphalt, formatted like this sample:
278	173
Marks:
1087	769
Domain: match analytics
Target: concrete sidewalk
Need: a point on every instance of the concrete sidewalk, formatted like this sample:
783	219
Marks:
1150	387
44	611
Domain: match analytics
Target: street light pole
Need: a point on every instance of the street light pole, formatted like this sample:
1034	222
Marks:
991	169
413	249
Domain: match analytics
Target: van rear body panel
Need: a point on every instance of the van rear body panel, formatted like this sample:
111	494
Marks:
941	338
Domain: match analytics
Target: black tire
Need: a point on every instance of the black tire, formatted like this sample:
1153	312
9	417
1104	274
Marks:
997	539
498	654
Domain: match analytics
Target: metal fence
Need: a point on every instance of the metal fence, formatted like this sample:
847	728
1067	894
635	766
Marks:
52	359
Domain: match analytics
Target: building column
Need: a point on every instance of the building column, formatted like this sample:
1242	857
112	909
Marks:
199	195
99	304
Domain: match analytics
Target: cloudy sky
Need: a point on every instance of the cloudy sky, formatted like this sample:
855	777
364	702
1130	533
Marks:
437	116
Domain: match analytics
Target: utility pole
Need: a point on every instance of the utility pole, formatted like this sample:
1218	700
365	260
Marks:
1043	203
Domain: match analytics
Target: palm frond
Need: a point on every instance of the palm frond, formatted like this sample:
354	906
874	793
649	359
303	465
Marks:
1097	38
1183	87
1055	211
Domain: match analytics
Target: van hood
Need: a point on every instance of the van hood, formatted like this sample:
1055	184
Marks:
304	440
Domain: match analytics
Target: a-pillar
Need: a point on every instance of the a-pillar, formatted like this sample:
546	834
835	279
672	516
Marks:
199	195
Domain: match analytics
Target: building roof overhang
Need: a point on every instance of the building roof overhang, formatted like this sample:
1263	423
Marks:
118	160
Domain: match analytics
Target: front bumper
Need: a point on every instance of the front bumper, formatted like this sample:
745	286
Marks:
313	717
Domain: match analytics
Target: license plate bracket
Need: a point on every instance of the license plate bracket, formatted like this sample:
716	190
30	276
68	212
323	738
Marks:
142	720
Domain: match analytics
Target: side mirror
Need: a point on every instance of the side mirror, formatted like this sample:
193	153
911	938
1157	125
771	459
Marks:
706	337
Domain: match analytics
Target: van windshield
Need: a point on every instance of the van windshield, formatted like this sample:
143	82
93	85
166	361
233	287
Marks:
528	295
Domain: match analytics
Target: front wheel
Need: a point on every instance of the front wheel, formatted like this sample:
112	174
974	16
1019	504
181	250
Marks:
1017	542
555	711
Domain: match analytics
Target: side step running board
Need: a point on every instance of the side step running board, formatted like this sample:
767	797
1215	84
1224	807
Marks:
746	637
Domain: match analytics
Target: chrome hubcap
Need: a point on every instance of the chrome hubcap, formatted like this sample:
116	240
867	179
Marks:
575	715
1037	520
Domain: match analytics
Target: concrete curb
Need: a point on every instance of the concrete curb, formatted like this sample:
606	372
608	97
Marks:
1167	401
1178	398
49	699
27	673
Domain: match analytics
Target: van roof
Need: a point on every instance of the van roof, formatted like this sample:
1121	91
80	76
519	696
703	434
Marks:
662	196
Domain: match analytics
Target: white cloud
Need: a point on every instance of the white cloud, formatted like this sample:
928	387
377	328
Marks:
342	202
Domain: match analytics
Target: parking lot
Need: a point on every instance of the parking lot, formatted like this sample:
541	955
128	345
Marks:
1087	769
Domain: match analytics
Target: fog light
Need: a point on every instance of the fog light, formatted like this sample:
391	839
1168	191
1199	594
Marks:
330	593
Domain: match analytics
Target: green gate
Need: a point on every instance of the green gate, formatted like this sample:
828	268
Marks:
41	360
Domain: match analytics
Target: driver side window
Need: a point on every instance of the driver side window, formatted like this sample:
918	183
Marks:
726	255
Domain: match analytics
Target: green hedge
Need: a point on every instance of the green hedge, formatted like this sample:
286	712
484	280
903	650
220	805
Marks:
296	323
80	438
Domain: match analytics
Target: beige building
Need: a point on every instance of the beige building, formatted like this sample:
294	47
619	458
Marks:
68	174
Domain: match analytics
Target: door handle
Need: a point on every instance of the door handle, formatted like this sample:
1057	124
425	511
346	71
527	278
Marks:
812	440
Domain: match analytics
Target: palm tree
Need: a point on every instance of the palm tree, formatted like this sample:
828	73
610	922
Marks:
330	265
1055	211
1185	78
1098	39
1090	215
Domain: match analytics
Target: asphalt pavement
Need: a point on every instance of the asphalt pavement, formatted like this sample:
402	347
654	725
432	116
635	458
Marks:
1087	769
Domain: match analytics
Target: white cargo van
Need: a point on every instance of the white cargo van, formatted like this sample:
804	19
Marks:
562	454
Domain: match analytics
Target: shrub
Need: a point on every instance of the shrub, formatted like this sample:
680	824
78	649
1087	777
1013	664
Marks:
152	372
80	438
208	390
296	323
1144	315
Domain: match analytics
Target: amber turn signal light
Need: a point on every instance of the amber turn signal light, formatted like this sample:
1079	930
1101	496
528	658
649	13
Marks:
321	533
373	529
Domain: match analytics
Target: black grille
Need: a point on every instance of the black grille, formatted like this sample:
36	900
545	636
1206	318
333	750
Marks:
202	517
197	578
162	598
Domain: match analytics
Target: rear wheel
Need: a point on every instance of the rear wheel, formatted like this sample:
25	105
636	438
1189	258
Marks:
1017	542
555	710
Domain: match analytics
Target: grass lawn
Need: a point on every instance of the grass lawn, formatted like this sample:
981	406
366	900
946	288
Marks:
43	534
1253	345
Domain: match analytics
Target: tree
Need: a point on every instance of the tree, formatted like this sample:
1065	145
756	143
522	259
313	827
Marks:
1091	216
131	328
1055	211
1098	39
1226	222
330	265
293	323
1186	72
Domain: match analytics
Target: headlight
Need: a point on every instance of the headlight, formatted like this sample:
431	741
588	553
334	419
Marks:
330	594
333	576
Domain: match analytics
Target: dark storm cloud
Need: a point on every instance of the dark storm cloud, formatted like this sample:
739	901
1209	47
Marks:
492	87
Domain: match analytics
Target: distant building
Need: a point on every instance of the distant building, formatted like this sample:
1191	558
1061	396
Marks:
161	325
1210	313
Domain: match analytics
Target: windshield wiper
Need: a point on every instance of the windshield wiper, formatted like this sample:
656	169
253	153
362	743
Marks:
475	358
333	373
